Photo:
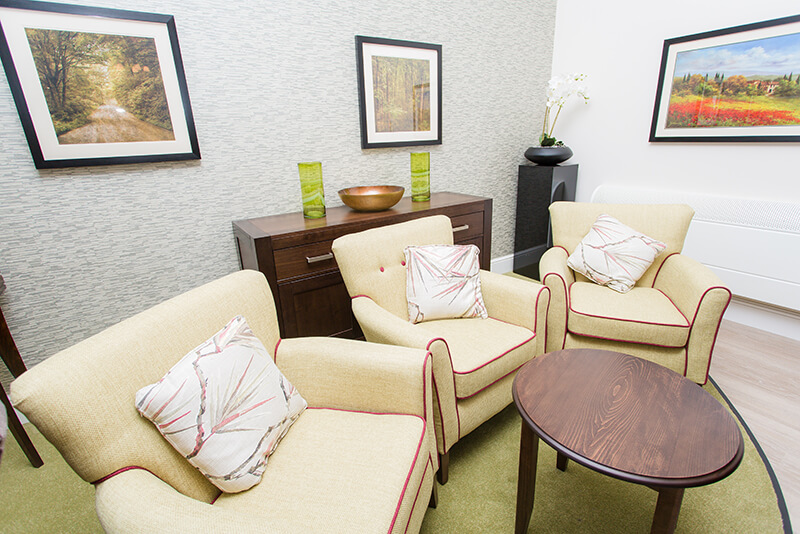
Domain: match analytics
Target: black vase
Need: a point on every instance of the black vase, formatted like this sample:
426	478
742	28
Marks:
548	155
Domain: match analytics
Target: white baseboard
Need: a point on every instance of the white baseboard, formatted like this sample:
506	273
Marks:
503	264
765	317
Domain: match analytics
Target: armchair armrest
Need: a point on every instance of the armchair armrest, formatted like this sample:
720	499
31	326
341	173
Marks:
357	375
138	501
515	301
382	326
557	276
702	297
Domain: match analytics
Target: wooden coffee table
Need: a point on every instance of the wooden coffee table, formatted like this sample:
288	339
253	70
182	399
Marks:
626	418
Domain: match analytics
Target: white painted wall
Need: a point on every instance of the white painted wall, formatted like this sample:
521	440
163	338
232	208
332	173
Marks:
619	46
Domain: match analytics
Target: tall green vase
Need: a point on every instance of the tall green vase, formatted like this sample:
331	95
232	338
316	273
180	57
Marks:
420	176
311	188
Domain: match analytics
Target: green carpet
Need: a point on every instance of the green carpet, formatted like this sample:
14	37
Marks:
481	493
480	496
48	499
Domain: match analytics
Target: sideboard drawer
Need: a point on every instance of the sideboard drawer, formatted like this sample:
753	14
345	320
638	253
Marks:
305	260
465	227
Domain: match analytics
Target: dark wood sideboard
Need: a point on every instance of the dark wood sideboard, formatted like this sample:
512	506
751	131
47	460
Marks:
295	255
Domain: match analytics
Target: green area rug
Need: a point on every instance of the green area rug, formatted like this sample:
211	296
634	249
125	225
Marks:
481	493
480	496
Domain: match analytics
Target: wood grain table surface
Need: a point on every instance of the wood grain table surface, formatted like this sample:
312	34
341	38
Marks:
624	417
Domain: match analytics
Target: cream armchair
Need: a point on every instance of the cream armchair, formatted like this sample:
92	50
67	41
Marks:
474	360
670	317
360	459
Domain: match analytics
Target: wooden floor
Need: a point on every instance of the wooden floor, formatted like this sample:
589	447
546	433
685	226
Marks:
760	372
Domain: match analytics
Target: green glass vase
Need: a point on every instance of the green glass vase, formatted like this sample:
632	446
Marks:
420	176
311	189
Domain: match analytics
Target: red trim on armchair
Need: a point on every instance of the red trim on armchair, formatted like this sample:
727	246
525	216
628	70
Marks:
481	366
625	341
716	332
660	267
493	383
416	497
566	305
687	325
122	470
439	397
408	476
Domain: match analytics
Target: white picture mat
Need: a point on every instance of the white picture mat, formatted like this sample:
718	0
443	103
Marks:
14	22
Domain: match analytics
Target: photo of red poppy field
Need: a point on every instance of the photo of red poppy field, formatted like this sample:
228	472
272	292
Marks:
750	83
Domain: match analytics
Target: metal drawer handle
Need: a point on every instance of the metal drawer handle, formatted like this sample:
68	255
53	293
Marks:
323	257
461	228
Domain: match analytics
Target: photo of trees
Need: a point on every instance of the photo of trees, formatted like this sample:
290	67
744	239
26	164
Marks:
401	89
750	83
101	88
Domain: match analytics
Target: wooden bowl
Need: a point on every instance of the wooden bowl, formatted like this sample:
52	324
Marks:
372	197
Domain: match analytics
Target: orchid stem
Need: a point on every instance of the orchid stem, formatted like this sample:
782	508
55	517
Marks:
552	126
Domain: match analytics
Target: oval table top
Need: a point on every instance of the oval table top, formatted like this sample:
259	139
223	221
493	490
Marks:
628	418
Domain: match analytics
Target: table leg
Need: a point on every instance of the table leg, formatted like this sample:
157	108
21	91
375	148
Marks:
526	485
667	509
561	461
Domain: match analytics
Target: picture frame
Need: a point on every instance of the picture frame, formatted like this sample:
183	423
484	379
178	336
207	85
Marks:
121	96
729	85
399	92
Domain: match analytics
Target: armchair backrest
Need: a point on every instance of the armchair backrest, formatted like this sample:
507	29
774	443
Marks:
372	262
82	398
571	221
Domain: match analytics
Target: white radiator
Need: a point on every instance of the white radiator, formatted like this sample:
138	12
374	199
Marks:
752	245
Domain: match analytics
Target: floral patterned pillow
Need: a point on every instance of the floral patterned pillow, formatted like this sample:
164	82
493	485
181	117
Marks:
224	407
614	255
443	282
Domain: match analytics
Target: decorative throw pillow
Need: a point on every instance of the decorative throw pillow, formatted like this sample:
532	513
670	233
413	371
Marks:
224	406
614	255
443	282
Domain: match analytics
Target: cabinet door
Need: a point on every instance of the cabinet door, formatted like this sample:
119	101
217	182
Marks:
317	306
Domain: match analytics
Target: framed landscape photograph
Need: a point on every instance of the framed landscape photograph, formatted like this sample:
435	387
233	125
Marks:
738	84
399	92
96	86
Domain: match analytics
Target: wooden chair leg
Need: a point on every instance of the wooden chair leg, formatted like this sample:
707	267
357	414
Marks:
11	357
17	430
444	464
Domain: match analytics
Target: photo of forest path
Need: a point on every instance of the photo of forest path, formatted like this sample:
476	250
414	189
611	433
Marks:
402	94
751	83
101	88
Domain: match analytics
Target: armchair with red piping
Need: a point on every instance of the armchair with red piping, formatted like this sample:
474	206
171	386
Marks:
672	314
360	458
474	360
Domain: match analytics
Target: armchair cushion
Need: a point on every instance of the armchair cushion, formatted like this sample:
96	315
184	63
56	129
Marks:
334	462
613	254
482	351
224	406
443	282
643	315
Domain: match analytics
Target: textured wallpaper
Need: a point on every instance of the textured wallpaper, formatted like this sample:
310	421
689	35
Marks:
271	84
